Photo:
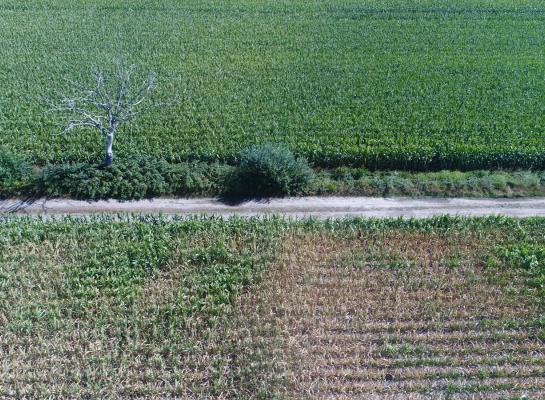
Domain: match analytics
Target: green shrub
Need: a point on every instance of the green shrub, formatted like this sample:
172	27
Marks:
191	179
15	173
130	179
270	170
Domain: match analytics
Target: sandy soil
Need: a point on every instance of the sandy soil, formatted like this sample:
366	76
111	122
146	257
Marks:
319	207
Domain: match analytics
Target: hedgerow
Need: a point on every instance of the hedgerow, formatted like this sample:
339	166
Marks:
130	179
144	178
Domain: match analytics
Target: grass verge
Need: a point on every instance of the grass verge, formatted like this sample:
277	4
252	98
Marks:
147	178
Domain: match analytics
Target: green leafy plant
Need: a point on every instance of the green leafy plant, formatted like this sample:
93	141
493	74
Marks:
15	173
270	170
130	179
529	257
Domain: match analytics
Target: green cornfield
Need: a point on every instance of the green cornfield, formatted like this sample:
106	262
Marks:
414	85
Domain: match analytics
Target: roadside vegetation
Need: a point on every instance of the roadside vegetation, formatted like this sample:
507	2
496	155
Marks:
263	173
115	307
361	182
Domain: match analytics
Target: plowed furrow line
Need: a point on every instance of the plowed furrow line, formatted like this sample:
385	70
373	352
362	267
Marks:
342	324
388	303
498	394
385	304
333	286
491	359
404	323
429	277
535	347
404	374
400	312
518	383
523	394
373	396
430	338
340	330
356	286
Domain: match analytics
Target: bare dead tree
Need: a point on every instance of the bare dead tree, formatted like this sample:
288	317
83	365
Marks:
108	104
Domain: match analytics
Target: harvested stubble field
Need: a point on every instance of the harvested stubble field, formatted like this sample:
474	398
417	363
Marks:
145	308
397	84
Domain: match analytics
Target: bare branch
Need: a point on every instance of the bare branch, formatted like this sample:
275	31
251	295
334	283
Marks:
105	100
77	123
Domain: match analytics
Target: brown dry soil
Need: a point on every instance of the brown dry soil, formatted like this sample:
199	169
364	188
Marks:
394	316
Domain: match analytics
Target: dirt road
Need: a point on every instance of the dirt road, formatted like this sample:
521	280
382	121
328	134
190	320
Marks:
319	207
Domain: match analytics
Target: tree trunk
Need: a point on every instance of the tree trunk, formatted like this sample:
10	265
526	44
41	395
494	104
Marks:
109	152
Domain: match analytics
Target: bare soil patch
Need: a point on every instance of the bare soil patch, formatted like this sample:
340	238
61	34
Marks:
400	316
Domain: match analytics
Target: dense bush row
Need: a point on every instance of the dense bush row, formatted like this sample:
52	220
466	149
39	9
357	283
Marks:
265	171
126	179
269	170
131	179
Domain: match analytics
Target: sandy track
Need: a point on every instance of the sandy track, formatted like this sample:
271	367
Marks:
319	207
